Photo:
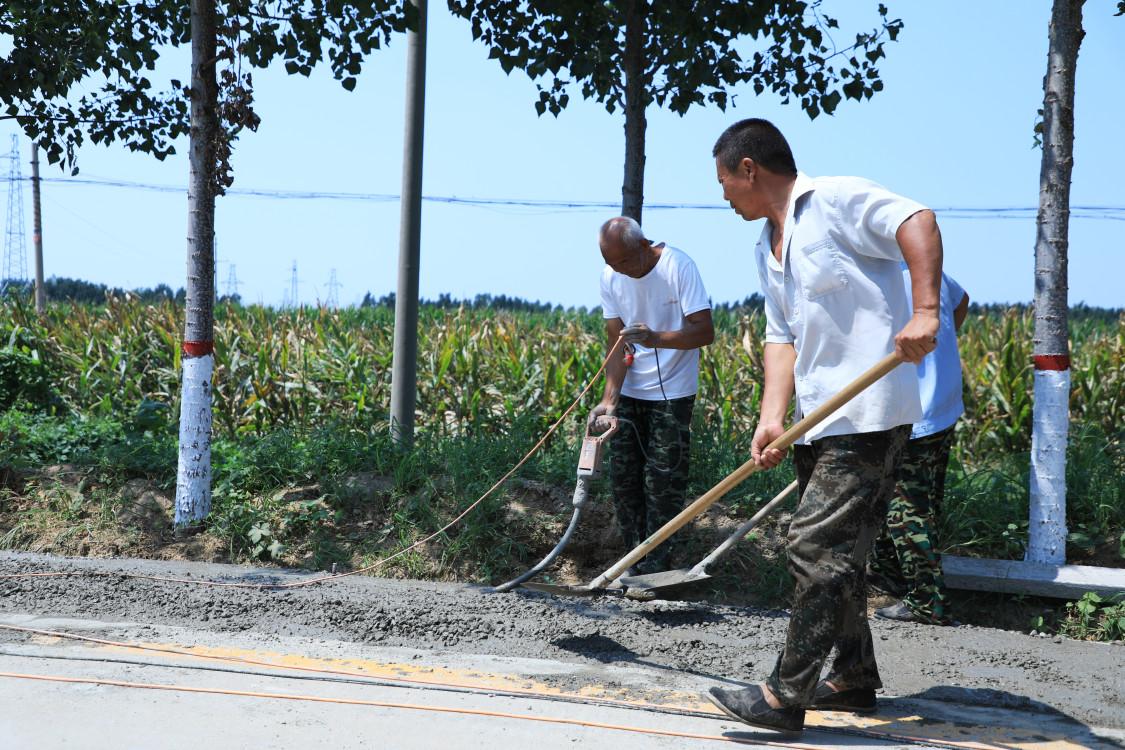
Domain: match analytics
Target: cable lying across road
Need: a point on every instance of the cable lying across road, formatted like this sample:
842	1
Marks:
379	563
359	678
406	706
348	674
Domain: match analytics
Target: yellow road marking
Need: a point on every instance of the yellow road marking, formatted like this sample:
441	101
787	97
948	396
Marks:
1019	733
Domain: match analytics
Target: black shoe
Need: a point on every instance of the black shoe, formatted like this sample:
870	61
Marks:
898	611
749	706
856	700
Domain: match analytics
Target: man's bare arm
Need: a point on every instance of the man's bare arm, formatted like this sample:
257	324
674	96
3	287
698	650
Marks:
698	330
777	392
920	241
615	371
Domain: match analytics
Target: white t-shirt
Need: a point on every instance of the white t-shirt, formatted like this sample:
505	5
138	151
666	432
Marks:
660	299
837	296
939	374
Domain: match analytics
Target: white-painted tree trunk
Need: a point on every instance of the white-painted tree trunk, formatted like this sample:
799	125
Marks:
1047	533
193	478
1051	415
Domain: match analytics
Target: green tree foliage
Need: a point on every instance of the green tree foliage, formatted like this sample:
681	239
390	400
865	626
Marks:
632	53
690	53
81	69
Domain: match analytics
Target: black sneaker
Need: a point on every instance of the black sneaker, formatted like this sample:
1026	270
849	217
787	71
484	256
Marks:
855	700
749	705
898	611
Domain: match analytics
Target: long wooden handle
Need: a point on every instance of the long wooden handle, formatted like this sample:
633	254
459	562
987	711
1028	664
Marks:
736	477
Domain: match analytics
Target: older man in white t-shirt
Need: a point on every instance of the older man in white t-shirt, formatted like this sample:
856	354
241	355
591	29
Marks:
828	263
652	297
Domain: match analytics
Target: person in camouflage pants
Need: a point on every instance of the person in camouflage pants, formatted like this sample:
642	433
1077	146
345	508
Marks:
649	469
905	561
653	302
828	260
845	482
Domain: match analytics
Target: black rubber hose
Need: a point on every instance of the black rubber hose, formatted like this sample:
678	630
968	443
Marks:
550	558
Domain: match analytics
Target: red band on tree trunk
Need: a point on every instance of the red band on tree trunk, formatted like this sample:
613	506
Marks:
199	348
1052	361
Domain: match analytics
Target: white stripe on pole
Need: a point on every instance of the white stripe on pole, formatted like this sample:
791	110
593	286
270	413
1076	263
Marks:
1047	532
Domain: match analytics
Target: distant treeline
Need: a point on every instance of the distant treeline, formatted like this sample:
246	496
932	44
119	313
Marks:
77	290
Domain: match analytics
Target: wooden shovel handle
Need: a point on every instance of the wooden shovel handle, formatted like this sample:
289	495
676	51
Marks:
786	439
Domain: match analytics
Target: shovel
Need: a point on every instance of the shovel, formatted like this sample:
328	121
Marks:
732	480
660	585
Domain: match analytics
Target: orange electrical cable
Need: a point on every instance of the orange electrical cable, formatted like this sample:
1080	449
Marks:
404	706
297	584
336	672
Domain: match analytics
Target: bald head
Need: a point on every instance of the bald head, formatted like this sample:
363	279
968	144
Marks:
625	248
622	231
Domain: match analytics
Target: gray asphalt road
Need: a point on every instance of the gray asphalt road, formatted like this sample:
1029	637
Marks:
216	704
952	684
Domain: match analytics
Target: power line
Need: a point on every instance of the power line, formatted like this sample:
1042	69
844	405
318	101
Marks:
1115	213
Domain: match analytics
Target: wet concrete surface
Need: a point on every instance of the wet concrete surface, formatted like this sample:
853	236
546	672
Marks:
951	665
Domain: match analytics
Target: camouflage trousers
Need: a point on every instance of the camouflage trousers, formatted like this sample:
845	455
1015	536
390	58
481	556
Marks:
846	482
649	469
905	560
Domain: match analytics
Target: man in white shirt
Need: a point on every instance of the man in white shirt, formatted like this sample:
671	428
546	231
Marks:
652	296
905	560
828	262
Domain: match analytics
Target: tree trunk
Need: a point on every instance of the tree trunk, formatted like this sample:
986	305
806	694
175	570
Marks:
193	478
1051	415
633	188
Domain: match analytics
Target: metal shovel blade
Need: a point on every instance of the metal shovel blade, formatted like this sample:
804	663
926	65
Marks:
652	585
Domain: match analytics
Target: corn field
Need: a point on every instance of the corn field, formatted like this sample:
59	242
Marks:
480	369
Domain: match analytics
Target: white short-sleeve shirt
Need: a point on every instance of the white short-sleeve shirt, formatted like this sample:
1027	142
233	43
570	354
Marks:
660	299
838	296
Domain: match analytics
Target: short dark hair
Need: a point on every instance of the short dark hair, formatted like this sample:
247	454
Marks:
755	139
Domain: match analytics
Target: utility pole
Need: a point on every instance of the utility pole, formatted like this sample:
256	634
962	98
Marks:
37	233
293	291
404	368
15	239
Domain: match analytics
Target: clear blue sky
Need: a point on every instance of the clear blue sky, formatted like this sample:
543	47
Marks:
953	127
